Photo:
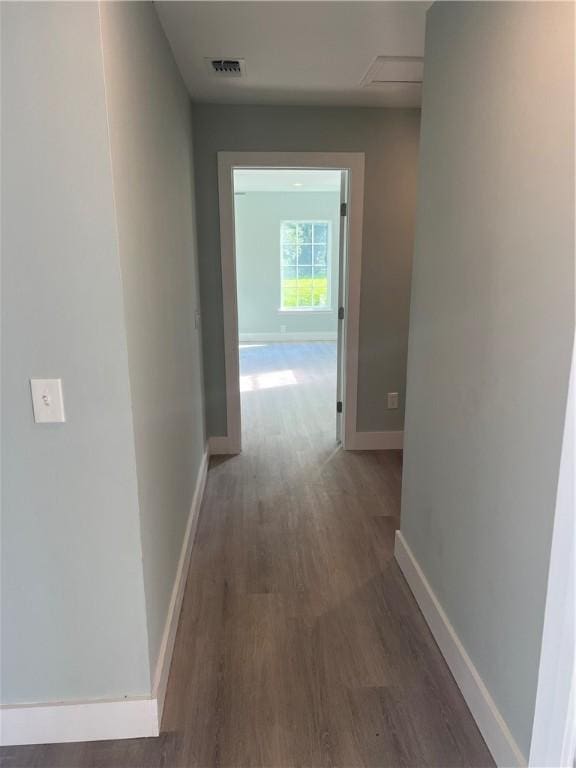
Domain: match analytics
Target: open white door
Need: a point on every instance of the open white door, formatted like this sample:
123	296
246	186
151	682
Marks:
342	254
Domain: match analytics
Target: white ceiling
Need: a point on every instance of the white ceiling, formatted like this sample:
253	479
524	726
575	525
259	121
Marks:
287	180
308	53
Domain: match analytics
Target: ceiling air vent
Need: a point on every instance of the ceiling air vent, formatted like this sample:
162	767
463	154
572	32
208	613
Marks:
226	67
394	69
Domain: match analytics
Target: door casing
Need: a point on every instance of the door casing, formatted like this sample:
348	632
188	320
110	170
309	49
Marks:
353	163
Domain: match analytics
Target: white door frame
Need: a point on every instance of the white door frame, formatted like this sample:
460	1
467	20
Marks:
353	162
553	743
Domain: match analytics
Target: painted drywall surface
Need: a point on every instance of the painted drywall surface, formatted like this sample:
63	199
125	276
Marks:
73	614
389	139
258	218
151	140
492	319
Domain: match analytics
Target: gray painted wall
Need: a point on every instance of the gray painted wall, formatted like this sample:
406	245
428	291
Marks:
73	614
258	217
389	139
99	285
492	318
151	139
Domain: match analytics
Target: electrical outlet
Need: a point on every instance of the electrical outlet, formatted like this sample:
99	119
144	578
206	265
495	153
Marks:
392	399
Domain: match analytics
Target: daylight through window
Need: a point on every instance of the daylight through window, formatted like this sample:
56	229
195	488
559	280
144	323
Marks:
305	274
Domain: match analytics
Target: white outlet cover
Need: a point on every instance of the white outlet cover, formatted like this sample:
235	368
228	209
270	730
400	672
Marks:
392	399
47	401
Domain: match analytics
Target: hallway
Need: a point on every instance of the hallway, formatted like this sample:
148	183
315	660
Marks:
299	642
198	197
299	639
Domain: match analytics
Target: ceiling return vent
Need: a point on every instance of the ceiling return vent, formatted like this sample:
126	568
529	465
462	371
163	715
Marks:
224	68
385	70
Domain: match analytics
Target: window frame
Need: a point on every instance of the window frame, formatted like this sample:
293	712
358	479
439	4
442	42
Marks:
312	308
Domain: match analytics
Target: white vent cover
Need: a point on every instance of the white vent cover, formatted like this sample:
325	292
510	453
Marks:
394	69
226	67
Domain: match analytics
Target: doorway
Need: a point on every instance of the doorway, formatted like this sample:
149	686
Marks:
291	245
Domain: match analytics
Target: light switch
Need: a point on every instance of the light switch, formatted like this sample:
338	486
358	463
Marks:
47	400
392	399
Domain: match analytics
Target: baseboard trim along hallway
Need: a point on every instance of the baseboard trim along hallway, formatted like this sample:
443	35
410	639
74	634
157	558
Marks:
492	725
54	723
377	441
169	635
221	446
79	721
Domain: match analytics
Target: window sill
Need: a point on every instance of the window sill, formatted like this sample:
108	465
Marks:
305	311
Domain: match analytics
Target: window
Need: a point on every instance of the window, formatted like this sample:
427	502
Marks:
304	265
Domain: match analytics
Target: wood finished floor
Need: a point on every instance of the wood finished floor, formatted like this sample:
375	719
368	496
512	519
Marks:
299	642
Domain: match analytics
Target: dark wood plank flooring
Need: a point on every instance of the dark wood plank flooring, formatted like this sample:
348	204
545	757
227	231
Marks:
299	643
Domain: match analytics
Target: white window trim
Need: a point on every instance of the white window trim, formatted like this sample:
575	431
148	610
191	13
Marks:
305	310
309	309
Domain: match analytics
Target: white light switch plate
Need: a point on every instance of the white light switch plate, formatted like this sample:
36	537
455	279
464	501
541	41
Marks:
47	401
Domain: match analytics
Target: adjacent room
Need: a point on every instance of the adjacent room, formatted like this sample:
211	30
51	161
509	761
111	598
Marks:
287	236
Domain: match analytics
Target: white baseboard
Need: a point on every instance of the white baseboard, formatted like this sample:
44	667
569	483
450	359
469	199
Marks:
492	725
375	441
290	336
102	720
169	636
79	721
222	446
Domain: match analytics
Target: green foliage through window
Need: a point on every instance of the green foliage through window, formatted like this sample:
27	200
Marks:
304	264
